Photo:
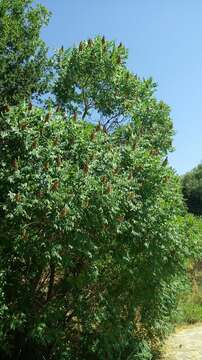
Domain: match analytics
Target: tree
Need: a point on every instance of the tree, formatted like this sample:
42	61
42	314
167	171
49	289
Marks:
192	190
91	236
23	60
93	80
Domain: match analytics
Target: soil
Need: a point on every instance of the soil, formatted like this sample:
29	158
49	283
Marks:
184	344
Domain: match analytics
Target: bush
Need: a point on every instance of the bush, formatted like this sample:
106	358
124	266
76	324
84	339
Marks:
92	239
189	308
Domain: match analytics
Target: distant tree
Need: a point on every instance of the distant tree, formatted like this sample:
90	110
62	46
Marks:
23	61
192	190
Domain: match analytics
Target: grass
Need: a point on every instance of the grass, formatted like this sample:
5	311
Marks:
189	309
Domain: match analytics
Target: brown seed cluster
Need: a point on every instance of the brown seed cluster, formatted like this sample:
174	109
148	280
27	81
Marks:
85	168
15	164
55	185
64	212
17	197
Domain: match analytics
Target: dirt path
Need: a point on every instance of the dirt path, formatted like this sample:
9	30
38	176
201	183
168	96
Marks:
185	344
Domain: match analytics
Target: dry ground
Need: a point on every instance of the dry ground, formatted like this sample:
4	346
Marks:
185	344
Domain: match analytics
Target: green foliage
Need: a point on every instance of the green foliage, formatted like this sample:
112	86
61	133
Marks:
92	238
192	190
189	309
23	62
93	81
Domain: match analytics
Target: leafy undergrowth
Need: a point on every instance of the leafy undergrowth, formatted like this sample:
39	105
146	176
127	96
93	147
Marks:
189	309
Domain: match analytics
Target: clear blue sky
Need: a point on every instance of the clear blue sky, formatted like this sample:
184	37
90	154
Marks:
164	38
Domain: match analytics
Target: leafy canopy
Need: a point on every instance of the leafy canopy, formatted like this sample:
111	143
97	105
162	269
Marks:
23	61
93	81
91	237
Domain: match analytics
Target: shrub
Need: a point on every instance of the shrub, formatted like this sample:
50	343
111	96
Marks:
189	308
92	238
